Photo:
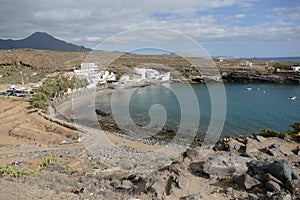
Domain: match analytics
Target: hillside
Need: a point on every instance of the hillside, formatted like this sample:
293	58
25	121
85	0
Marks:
38	63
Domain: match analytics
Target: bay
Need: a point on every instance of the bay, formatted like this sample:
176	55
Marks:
247	111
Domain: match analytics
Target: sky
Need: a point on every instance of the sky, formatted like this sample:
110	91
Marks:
240	28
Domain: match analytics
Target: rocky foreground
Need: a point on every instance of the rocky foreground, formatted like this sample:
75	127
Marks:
48	164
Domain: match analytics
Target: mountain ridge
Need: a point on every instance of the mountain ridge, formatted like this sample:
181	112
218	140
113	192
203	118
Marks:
41	41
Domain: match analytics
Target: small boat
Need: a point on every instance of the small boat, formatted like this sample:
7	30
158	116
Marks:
248	88
293	98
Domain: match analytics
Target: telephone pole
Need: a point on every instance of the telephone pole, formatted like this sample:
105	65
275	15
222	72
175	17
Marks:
22	78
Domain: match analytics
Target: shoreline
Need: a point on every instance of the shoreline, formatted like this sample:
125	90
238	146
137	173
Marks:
89	95
107	123
60	110
234	168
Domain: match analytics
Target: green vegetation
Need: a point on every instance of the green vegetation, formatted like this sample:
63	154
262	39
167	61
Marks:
55	87
16	171
293	134
285	66
270	133
119	75
46	162
13	74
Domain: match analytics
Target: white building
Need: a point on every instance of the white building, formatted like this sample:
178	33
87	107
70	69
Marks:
152	74
296	68
124	79
111	77
141	71
89	71
35	86
165	76
11	87
89	66
106	76
246	63
142	74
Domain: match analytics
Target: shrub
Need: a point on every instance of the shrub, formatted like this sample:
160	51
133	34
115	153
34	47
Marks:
295	133
270	133
55	87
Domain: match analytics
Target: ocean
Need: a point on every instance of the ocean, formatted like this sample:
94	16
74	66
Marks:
247	111
274	59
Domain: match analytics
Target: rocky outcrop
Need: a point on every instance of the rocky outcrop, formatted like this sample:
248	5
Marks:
226	164
247	76
245	181
275	176
102	113
237	167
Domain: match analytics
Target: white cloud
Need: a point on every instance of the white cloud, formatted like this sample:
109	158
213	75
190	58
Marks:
239	16
88	23
287	13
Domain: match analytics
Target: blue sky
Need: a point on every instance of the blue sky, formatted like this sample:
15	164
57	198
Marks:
241	28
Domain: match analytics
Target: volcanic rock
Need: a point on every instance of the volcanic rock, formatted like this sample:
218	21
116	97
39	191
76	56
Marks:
226	164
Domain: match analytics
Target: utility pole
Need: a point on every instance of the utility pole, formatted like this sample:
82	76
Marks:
22	78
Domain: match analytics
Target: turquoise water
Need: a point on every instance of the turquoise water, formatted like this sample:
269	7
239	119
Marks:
248	111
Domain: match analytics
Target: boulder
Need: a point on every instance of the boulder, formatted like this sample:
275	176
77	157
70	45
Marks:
261	138
257	168
253	197
245	181
268	177
221	146
125	185
278	151
249	155
102	113
275	152
191	153
139	183
158	188
293	186
235	145
293	158
226	164
260	143
252	146
280	196
295	175
286	151
196	169
272	186
281	169
263	156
